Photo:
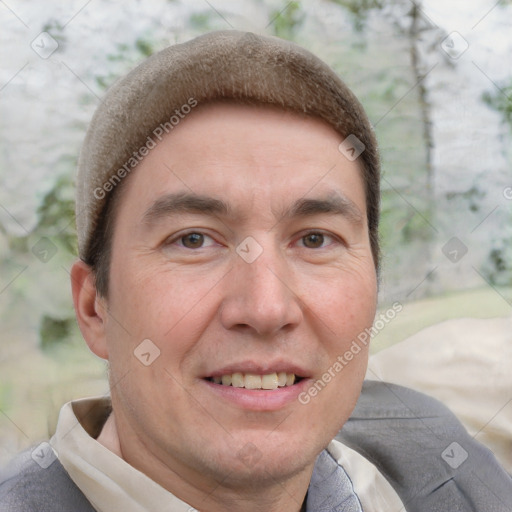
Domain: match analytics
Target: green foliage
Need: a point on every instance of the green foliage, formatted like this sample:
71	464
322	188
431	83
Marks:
55	29
284	22
144	47
471	197
200	21
54	331
401	225
57	212
359	10
498	267
359	7
127	56
501	101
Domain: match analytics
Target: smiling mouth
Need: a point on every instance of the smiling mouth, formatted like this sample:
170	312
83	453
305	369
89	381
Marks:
254	381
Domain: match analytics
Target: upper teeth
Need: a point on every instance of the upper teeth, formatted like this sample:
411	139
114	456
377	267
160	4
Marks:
253	381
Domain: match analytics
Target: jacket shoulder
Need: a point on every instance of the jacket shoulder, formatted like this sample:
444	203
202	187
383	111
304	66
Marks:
424	451
31	485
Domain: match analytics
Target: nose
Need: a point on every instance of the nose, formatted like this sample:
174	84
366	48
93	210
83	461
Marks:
260	296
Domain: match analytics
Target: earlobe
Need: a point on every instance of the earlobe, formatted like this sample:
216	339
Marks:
89	308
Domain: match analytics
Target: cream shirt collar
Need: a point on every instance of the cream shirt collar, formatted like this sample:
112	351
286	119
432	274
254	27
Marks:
110	483
107	481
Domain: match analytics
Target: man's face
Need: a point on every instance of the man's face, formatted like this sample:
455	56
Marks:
240	250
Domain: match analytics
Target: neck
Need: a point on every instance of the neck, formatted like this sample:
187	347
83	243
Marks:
272	495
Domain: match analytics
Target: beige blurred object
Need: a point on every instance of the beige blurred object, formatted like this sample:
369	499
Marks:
465	363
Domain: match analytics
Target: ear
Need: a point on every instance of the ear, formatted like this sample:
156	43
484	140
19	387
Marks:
90	309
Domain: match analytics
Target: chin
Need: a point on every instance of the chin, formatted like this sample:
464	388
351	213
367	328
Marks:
256	467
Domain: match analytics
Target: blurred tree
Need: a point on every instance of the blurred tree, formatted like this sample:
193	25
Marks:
56	212
498	267
359	10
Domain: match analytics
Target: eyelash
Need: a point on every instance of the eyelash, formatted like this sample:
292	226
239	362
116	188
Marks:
311	232
322	233
183	235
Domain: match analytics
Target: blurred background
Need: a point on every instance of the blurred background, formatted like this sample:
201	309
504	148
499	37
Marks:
435	78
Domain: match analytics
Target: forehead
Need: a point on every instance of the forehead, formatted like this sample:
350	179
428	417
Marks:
256	155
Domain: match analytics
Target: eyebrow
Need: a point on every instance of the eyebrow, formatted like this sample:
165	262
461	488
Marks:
334	204
184	202
187	202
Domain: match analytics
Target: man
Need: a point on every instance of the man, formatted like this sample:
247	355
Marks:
227	214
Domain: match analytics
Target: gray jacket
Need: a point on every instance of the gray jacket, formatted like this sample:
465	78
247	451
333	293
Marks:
414	440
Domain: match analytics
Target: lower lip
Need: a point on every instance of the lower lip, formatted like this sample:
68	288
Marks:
259	399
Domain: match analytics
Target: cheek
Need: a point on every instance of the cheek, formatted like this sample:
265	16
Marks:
343	312
345	301
171	307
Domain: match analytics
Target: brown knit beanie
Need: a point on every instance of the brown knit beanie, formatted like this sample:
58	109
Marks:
152	99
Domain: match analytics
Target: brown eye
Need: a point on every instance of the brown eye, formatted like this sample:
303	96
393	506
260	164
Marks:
313	240
192	240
